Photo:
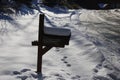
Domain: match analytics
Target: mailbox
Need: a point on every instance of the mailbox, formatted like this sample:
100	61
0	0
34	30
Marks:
49	37
56	37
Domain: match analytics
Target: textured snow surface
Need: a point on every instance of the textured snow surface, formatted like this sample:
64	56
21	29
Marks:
57	31
93	53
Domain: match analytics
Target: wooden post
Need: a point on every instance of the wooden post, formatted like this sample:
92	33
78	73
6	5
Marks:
41	50
40	46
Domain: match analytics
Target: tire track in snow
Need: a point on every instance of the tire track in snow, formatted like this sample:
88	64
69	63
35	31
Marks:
102	32
86	53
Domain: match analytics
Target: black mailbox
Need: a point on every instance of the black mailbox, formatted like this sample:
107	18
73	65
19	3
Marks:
56	37
49	37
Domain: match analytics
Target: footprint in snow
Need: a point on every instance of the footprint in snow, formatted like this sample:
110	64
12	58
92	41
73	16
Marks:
22	77
26	74
68	65
77	77
25	70
59	77
16	73
97	68
100	78
20	72
64	61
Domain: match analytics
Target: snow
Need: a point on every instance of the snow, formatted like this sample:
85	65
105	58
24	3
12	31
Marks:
57	31
93	52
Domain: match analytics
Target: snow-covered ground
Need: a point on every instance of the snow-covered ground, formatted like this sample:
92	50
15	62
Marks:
93	52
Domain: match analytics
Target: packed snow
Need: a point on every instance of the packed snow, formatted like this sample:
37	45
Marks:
93	52
57	31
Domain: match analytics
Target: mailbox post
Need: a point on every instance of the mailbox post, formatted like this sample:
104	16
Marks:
48	38
40	47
